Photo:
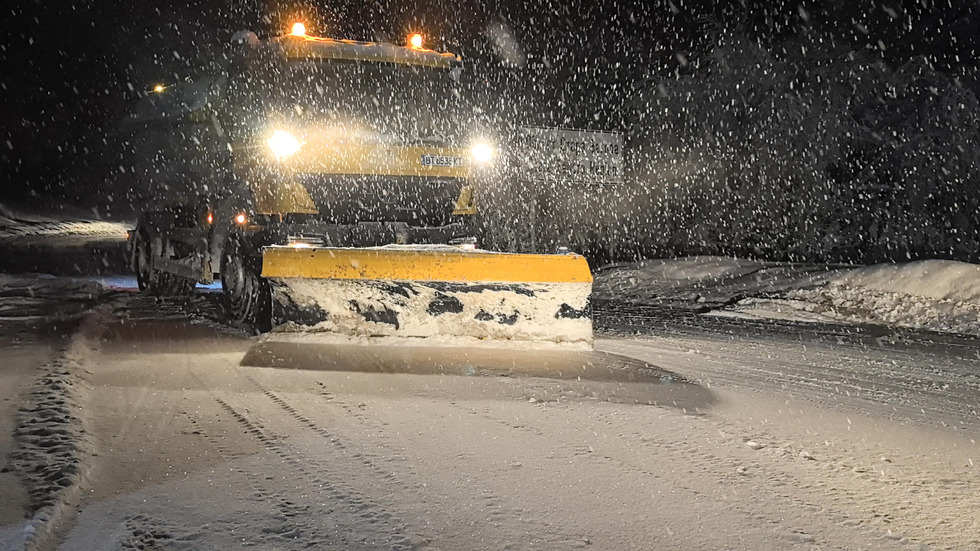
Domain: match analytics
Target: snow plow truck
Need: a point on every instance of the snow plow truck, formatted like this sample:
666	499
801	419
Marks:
332	184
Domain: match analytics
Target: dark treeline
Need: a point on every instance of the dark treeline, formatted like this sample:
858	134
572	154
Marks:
805	149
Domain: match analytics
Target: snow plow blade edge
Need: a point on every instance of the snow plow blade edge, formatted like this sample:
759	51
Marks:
430	292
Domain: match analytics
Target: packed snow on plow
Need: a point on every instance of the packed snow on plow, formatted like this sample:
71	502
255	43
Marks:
438	310
430	290
434	309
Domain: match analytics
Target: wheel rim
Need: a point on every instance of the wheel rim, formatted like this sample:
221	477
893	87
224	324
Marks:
144	269
233	282
232	277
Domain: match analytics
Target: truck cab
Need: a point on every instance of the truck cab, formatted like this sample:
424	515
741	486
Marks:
301	141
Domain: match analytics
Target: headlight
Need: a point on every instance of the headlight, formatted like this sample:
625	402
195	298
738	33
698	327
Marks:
283	144
482	152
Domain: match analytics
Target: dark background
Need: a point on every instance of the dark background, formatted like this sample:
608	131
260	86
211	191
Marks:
819	130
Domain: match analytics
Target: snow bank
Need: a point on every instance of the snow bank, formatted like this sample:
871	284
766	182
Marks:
85	228
936	295
18	224
53	454
702	282
39	296
937	279
43	285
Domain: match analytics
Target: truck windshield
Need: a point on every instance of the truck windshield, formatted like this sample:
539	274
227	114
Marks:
412	103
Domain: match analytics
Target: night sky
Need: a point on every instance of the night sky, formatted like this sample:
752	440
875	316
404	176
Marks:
70	70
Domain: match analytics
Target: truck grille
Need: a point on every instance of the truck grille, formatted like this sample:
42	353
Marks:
414	200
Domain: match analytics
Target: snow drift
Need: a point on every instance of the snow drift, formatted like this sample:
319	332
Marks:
935	295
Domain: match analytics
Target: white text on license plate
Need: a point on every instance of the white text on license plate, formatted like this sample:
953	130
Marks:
441	160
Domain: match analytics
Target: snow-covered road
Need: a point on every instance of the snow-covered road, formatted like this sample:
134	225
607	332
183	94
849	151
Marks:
910	375
777	442
729	404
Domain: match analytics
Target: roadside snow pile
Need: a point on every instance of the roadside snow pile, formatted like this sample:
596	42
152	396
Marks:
14	224
936	295
84	227
937	279
38	295
43	285
702	282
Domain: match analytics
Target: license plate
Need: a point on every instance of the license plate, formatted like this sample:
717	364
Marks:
441	160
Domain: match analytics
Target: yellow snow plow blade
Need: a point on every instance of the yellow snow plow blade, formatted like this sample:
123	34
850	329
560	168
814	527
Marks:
431	291
424	264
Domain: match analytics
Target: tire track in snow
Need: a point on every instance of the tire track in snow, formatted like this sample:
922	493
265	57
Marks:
304	484
367	461
498	510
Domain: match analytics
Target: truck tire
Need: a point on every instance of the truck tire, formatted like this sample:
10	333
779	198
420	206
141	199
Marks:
246	295
152	281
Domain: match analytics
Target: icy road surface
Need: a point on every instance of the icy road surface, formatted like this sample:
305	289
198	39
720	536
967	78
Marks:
763	435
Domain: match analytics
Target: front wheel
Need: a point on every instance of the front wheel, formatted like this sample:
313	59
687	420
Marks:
146	277
247	298
151	280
